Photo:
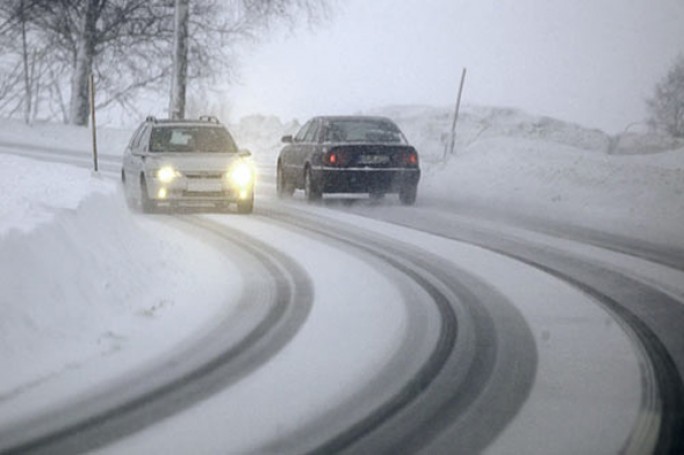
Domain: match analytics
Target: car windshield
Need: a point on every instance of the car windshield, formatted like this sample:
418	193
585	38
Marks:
200	139
363	130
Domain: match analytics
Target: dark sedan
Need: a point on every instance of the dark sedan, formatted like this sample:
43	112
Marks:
348	154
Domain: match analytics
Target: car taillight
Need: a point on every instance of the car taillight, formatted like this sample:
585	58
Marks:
410	158
335	157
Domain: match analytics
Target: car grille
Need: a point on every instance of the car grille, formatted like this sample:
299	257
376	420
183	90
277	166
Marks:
203	175
205	194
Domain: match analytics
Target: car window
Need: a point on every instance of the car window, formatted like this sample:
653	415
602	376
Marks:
302	132
363	130
312	133
191	139
136	136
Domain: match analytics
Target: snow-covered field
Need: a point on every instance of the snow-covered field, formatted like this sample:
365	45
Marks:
83	279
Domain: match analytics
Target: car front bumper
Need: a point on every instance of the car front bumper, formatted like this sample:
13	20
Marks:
185	190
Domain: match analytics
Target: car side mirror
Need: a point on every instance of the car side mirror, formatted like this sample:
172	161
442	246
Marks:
287	139
244	153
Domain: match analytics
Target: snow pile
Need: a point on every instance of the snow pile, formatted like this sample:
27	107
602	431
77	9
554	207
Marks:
81	278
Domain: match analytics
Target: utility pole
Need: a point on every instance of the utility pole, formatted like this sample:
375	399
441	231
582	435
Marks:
452	140
180	61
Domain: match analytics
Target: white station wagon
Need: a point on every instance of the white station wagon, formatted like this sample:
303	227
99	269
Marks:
173	163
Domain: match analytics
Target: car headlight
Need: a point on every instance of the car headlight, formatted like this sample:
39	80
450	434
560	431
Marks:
167	174
241	175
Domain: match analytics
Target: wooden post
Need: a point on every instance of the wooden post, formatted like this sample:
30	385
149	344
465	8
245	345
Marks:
91	90
452	141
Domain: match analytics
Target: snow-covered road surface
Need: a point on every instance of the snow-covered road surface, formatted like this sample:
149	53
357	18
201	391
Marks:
429	329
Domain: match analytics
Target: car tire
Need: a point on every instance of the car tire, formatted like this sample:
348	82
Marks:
147	205
311	192
246	206
284	188
407	194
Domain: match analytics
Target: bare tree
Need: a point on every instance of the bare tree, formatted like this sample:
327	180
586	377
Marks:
105	37
127	45
667	104
24	59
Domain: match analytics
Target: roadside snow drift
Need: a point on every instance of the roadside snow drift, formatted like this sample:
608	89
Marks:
81	276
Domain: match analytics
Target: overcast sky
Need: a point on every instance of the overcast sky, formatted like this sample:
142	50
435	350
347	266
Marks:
589	61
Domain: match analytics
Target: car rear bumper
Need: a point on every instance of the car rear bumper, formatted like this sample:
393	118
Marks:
364	180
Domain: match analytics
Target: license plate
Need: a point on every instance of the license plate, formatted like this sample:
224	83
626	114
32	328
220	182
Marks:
373	159
205	185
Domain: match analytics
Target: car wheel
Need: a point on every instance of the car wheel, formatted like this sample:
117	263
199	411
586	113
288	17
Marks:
407	194
246	206
311	193
147	205
283	187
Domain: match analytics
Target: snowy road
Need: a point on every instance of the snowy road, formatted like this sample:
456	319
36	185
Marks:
644	298
387	328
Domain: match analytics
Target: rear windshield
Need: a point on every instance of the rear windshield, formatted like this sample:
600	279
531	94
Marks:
363	130
200	139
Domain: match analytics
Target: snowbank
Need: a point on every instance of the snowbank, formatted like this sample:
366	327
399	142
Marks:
641	196
82	277
110	141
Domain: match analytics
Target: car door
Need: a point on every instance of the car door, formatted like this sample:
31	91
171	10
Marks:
311	143
137	156
293	157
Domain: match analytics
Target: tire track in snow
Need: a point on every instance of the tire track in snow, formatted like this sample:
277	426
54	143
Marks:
652	318
486	353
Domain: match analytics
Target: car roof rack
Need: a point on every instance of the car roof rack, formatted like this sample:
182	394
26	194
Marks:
209	118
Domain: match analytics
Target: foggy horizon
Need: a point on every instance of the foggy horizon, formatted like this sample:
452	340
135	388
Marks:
584	62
